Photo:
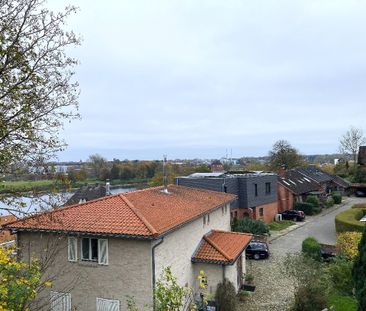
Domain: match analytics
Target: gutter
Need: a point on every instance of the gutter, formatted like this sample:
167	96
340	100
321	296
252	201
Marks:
153	269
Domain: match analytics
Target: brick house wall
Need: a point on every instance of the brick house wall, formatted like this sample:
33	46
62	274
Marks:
285	198
5	235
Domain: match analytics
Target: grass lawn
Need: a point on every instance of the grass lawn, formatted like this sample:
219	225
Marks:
280	225
25	185
344	303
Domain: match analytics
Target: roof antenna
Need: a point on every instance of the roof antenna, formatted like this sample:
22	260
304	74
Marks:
165	178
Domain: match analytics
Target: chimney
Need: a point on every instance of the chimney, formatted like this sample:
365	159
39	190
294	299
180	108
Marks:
107	187
165	177
282	171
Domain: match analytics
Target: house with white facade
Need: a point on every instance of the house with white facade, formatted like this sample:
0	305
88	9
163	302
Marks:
100	252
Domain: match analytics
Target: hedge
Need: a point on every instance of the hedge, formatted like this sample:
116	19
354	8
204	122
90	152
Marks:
307	208
360	205
311	247
312	199
349	220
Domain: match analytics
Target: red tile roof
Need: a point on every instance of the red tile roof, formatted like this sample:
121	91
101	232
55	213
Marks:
145	213
221	247
5	235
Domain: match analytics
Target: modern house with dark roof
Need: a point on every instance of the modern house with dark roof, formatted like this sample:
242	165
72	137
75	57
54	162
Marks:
256	191
117	246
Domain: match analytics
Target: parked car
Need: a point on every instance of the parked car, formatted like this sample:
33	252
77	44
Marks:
293	215
257	250
360	193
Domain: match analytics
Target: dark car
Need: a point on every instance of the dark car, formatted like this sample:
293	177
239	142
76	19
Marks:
360	193
257	250
293	215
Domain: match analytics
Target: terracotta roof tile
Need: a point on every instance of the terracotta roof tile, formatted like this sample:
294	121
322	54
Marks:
221	247
146	213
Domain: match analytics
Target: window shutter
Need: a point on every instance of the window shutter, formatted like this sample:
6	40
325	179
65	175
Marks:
60	301
72	249
103	251
107	305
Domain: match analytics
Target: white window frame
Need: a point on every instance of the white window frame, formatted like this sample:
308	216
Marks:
105	262
75	245
60	301
90	249
99	259
103	300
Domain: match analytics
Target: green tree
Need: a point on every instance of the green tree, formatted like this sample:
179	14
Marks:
359	274
20	282
98	164
284	155
350	142
37	90
169	295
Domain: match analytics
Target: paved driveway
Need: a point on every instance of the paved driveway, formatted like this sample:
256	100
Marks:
274	292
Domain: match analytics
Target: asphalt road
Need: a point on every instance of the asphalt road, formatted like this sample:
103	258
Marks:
321	227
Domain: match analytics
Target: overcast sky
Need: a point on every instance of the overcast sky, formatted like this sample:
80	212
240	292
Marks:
191	79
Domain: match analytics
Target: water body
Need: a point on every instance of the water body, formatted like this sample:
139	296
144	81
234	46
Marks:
42	203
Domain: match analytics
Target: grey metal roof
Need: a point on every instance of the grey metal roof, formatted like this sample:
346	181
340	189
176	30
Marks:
200	175
297	183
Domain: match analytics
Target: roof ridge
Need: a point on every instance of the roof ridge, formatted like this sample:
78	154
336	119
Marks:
214	245
232	232
139	215
61	208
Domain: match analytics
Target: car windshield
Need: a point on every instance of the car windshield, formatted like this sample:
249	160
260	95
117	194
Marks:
261	246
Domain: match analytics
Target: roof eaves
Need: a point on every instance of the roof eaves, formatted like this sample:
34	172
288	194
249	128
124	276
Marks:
83	233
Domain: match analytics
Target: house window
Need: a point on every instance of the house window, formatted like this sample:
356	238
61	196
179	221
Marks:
60	301
256	190
268	187
261	212
72	249
94	250
107	304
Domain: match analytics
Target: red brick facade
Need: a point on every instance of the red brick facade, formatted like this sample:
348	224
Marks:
285	198
266	212
5	235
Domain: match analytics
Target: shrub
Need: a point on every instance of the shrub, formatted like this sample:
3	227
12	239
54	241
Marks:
311	247
249	225
349	220
329	203
310	297
312	199
340	273
307	208
226	296
359	274
337	197
348	242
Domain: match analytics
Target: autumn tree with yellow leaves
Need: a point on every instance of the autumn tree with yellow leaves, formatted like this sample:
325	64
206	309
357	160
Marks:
19	282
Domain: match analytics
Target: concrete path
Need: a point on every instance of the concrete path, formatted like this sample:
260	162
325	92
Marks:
274	292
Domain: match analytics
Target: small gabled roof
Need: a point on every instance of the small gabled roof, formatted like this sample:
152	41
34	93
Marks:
144	213
87	193
221	247
341	182
297	183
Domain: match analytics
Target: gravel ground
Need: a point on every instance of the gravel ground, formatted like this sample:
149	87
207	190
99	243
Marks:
274	292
